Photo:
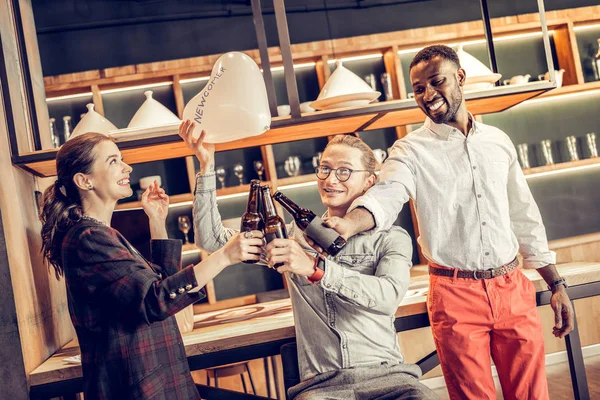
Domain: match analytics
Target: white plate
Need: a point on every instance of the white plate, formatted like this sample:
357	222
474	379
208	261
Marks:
345	100
76	360
490	78
144	132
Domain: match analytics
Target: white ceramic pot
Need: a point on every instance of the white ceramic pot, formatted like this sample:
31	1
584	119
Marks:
520	79
92	122
152	113
283	110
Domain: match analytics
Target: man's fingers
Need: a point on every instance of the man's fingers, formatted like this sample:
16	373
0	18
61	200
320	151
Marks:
558	316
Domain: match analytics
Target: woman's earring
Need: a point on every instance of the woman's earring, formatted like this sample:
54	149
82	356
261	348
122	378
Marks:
90	187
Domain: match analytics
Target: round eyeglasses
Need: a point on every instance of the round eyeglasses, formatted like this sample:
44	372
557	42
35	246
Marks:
342	173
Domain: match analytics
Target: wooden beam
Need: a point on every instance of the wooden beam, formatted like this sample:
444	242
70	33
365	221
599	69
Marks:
178	94
567	53
97	100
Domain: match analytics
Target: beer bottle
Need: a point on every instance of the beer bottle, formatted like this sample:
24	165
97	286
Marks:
252	219
327	238
274	224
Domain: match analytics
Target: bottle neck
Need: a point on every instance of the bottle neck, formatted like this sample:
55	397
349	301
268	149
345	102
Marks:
268	203
290	206
253	198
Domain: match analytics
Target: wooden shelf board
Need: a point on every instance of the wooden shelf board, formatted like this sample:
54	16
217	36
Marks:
309	126
174	199
562	166
570	89
294	180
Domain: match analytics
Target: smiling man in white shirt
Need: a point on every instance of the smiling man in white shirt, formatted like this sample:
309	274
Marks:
475	212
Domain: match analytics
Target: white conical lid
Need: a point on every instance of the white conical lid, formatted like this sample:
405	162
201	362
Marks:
471	65
343	81
92	122
152	113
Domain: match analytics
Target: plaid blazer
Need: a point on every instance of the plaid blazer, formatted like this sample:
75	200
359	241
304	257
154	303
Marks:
122	307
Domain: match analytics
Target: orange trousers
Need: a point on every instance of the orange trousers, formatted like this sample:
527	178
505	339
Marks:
475	319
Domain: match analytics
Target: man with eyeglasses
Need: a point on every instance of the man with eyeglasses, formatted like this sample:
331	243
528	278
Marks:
475	212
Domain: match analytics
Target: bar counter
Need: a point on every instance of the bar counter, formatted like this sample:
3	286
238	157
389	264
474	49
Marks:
259	330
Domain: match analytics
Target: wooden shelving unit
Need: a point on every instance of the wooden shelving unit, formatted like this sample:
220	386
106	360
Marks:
396	113
386	114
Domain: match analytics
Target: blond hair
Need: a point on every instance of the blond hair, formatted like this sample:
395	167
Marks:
368	159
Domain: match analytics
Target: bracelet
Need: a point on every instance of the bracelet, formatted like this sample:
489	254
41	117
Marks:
318	274
555	284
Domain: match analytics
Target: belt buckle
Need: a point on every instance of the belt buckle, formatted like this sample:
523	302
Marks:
475	276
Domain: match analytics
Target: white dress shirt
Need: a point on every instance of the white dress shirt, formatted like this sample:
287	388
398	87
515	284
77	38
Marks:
474	207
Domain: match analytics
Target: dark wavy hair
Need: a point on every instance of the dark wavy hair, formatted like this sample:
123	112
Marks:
61	202
437	50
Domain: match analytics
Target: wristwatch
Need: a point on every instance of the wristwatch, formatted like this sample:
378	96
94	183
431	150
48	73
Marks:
557	283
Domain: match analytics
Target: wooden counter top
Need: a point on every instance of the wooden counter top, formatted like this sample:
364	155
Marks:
262	322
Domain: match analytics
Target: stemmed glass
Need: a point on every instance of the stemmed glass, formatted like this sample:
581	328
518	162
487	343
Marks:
238	170
259	168
292	165
184	226
221	174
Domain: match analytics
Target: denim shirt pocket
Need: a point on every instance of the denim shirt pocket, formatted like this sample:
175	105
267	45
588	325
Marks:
363	263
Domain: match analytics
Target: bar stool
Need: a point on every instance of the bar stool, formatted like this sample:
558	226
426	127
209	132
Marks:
230	370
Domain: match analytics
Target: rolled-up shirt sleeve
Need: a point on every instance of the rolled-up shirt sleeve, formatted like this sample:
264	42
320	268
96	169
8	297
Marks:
526	220
395	187
209	232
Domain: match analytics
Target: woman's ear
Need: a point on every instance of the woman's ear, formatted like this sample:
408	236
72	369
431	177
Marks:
81	181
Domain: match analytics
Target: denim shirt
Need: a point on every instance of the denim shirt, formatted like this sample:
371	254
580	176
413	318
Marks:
347	318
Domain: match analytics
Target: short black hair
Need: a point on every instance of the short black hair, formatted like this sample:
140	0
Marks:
437	50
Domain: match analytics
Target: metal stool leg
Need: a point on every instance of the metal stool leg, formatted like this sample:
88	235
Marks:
251	381
276	376
243	383
267	375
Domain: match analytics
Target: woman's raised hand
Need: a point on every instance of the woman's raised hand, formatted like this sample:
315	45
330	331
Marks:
155	202
205	152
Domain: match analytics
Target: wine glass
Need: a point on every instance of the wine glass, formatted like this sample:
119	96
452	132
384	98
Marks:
221	174
259	168
238	170
184	226
292	165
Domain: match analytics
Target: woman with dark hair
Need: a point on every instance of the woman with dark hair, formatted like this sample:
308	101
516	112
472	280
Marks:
343	306
122	305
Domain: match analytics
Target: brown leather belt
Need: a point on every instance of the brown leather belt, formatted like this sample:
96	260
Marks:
480	274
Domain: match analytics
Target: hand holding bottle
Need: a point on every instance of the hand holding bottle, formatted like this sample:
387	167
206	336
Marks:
243	246
287	255
314	228
205	152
